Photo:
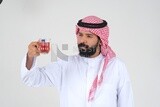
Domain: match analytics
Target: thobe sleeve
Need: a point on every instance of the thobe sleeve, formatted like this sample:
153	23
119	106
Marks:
49	75
125	93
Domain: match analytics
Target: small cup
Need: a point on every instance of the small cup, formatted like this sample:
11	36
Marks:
44	45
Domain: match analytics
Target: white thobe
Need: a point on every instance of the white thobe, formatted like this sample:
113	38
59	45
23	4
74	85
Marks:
74	78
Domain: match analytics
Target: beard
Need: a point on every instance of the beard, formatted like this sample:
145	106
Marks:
86	51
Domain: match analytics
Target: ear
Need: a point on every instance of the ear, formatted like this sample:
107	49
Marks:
100	42
77	30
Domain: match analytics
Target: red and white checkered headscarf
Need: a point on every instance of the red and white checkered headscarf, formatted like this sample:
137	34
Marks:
106	51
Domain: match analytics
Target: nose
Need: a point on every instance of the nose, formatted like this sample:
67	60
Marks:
83	39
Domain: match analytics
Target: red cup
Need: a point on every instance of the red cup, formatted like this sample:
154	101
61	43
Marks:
44	45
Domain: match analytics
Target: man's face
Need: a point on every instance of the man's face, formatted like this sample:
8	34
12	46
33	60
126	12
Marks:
88	44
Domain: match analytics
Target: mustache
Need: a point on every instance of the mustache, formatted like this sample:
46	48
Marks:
83	45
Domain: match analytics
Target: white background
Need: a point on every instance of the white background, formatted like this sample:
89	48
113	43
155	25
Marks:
134	36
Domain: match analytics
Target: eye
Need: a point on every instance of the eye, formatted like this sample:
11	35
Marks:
79	34
89	35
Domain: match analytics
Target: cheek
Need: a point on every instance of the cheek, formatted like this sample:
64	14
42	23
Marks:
78	40
93	42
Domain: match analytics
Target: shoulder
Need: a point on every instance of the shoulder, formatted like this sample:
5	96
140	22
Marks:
116	61
118	65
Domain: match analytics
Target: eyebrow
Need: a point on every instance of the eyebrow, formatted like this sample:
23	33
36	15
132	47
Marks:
79	33
90	34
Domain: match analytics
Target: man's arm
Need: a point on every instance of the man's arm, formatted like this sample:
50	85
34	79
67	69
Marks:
125	93
35	76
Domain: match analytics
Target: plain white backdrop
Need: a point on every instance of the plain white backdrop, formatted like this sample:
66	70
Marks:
134	36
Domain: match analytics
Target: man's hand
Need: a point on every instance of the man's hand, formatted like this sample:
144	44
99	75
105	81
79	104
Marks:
33	51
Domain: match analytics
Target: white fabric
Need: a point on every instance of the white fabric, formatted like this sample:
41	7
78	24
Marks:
73	79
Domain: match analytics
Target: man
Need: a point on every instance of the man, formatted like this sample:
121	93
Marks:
94	78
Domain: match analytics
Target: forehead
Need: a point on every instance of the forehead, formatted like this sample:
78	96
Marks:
86	32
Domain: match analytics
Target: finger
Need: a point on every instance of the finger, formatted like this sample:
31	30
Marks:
37	53
34	49
33	53
34	46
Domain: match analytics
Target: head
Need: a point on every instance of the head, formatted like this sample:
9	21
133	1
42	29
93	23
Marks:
88	44
92	36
